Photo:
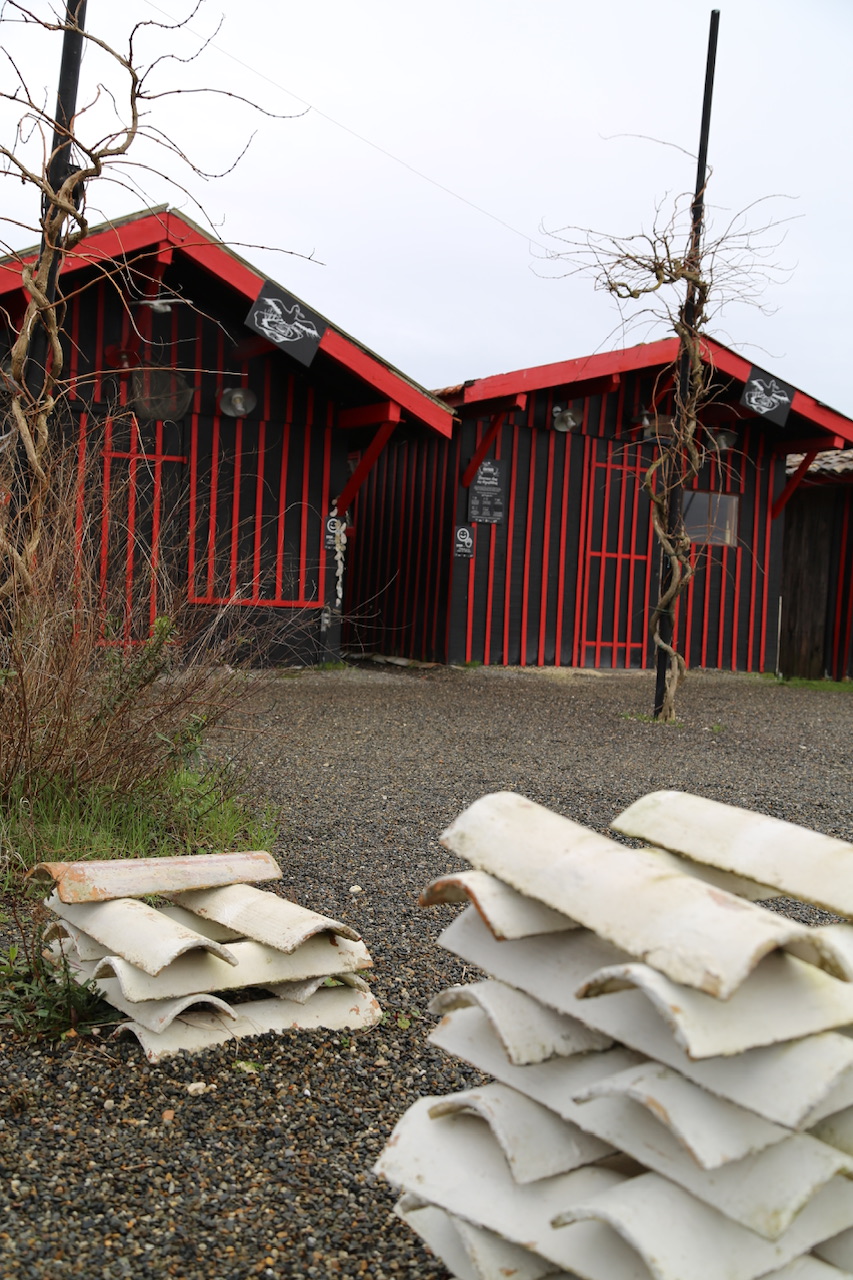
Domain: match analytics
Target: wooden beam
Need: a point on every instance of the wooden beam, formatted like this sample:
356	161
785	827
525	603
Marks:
418	403
368	458
484	407
498	419
588	369
792	485
368	415
803	446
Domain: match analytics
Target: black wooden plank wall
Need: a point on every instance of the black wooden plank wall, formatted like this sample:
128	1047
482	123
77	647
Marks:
398	560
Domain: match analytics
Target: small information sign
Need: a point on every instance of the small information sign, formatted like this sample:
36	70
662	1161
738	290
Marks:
463	542
486	495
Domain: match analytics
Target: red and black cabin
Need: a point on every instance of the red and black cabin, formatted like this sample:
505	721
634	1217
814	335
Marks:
526	538
224	413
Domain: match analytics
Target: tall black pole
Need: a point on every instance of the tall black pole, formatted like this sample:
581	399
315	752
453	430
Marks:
671	475
60	165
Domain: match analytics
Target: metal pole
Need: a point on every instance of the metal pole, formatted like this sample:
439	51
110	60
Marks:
671	472
60	165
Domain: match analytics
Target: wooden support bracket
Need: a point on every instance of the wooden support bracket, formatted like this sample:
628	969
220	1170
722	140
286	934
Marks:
498	419
368	458
792	485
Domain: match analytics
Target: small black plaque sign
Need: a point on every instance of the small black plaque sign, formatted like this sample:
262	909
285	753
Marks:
486	495
768	396
463	542
332	529
286	322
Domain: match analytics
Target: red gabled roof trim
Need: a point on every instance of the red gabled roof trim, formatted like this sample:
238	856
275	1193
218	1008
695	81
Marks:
160	226
648	355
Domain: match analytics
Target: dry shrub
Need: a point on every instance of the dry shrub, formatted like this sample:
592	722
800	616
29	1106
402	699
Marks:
80	709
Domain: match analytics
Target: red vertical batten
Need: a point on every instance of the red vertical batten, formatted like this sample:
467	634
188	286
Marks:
469	621
510	530
843	577
365	523
326	499
282	480
235	486
443	456
420	568
306	493
155	524
80	496
405	507
621	556
528	536
738	567
192	589
490	584
651	546
415	515
454	465
754	559
708	552
561	557
621	553
259	491
607	446
687	643
430	468
768	526
632	576
211	525
546	543
105	509
725	485
98	389
379	586
582	587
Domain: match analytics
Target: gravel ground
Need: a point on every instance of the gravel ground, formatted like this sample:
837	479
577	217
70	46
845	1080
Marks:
111	1169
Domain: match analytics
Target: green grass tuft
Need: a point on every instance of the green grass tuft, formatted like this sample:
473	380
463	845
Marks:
186	811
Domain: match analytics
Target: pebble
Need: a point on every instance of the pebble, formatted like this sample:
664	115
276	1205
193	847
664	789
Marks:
113	1167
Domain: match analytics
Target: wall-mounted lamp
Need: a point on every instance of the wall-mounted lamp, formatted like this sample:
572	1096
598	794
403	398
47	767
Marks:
725	439
237	402
565	419
655	425
162	304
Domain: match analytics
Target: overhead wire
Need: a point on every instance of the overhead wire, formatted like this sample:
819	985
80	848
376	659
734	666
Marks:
368	142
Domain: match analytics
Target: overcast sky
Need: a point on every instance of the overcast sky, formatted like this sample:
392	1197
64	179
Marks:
420	111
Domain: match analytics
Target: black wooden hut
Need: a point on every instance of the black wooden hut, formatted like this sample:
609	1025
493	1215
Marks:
223	414
817	580
526	538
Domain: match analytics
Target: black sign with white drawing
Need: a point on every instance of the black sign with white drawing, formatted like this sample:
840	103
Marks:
463	542
286	322
486	495
332	529
768	396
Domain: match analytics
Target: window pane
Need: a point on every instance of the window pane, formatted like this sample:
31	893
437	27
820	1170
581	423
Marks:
711	518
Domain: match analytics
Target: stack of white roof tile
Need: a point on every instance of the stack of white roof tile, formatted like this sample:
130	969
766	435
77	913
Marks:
671	1063
172	968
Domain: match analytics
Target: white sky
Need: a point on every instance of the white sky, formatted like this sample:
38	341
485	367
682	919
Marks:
513	108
